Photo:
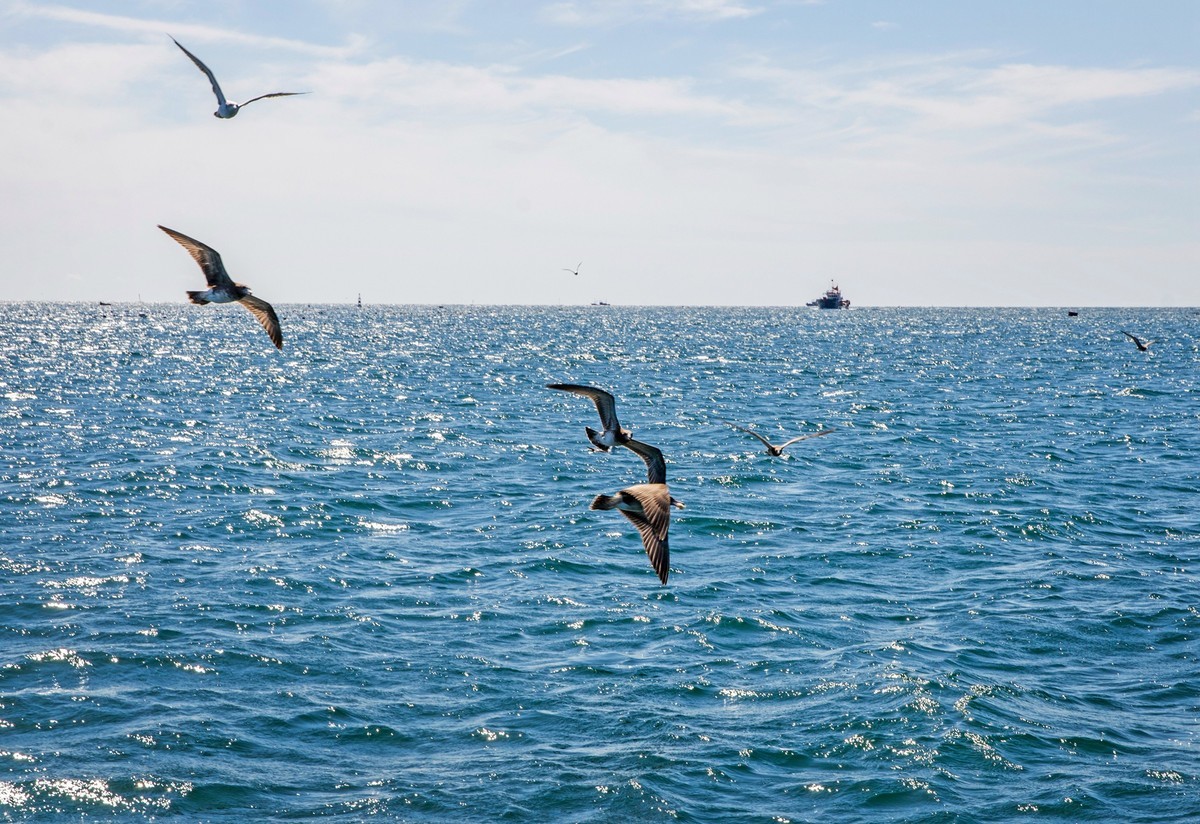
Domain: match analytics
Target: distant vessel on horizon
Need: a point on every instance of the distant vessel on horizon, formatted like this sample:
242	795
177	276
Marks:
832	299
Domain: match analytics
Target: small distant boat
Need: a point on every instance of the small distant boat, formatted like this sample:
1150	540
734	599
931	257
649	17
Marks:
601	303
831	300
105	303
1071	313
360	300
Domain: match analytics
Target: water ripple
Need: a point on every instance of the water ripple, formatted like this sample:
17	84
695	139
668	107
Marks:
360	578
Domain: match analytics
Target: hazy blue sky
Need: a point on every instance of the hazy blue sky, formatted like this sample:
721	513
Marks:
686	151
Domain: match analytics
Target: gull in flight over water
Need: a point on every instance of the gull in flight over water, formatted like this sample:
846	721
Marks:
613	434
222	289
772	449
574	271
647	506
1142	345
226	108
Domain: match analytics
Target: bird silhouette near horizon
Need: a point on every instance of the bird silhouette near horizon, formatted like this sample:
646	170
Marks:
574	271
606	405
226	108
647	506
222	289
1142	345
772	449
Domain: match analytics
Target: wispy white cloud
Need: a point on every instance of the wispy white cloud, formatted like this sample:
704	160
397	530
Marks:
476	91
962	92
617	12
68	71
191	31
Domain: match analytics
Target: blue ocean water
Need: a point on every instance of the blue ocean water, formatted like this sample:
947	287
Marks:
359	578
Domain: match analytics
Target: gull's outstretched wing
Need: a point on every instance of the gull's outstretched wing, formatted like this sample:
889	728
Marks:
206	256
208	72
656	467
266	316
606	405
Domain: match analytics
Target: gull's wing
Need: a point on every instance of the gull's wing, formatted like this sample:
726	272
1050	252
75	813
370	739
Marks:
207	71
266	316
606	405
206	256
752	432
1141	344
653	524
656	467
804	438
272	94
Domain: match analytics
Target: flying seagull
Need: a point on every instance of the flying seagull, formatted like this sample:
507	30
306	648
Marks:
222	289
772	449
613	434
226	108
647	506
574	271
1142	345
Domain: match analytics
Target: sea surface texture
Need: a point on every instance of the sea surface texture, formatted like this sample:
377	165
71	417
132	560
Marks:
359	577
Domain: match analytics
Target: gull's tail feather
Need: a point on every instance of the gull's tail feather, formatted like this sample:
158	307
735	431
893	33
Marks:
604	502
196	297
594	436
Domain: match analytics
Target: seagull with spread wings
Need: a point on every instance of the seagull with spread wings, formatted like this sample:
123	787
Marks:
222	289
772	449
606	405
647	506
226	108
1142	345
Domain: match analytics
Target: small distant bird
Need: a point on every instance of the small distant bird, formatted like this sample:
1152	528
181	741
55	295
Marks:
647	506
226	108
772	449
613	434
574	271
1142	345
222	289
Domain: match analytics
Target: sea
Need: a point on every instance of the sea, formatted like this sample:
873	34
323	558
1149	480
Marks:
358	579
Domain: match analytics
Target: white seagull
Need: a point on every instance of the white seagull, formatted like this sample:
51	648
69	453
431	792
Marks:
222	289
226	108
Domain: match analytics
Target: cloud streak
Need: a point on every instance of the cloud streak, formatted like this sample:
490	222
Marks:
470	92
948	92
623	12
65	14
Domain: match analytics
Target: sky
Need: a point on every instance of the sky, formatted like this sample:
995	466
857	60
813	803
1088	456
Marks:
685	152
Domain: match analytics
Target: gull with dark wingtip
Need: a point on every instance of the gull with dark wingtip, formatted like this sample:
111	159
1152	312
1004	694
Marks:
1142	345
772	449
647	506
222	289
606	405
226	108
